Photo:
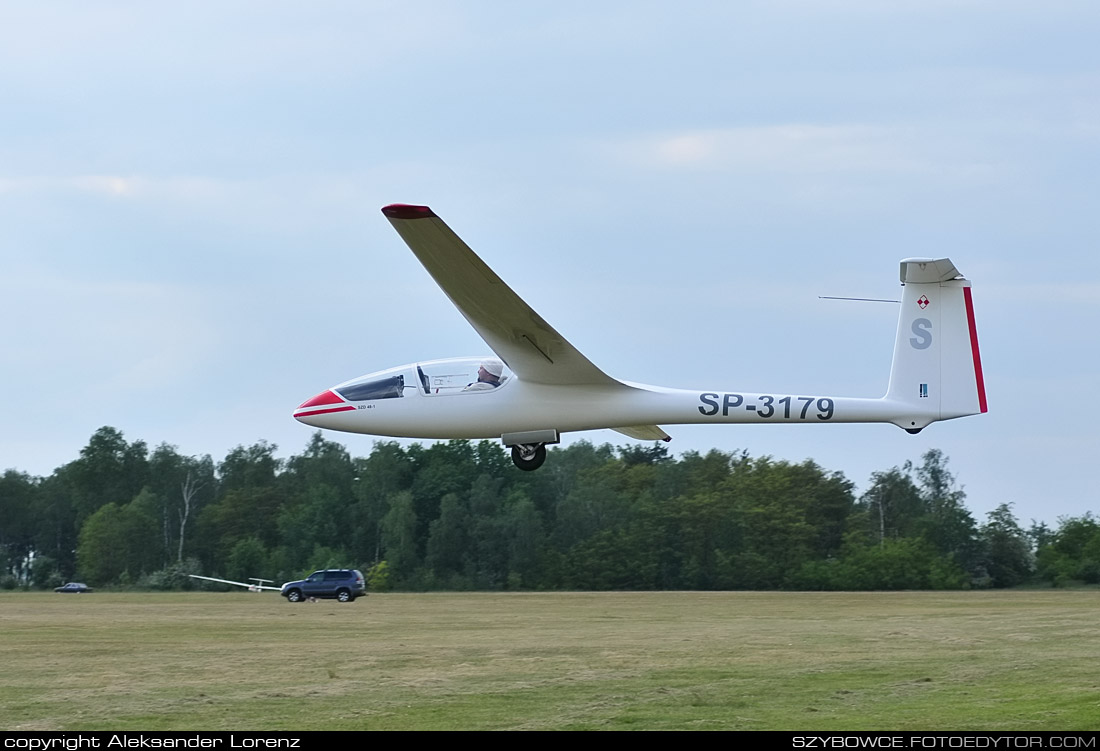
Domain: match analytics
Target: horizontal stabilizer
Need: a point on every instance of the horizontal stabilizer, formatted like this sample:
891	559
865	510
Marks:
644	432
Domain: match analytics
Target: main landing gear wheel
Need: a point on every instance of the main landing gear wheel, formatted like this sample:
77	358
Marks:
529	456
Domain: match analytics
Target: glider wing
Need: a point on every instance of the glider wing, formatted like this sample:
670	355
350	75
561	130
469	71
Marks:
520	337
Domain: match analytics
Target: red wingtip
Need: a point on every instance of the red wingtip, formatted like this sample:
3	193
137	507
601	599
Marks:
406	211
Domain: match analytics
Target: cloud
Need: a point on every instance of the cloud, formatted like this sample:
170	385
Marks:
125	186
110	184
805	148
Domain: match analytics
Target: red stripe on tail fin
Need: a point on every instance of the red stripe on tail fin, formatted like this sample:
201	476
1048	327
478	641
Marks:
978	377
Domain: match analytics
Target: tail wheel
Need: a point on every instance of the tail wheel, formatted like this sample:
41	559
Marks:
529	456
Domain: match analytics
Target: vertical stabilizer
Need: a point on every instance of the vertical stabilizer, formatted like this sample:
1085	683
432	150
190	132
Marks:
937	371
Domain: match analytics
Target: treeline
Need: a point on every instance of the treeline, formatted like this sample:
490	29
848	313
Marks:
459	516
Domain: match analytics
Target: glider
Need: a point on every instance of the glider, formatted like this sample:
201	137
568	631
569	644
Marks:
538	385
257	585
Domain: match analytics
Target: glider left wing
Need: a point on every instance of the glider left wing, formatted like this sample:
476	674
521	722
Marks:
520	337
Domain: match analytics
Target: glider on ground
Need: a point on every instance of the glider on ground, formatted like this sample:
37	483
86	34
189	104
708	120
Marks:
257	585
539	386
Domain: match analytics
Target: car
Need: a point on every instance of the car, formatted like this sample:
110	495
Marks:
74	587
343	584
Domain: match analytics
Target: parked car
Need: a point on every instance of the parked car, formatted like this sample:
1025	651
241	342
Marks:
75	587
343	584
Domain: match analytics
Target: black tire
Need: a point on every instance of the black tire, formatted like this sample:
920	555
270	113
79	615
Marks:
344	595
294	595
529	460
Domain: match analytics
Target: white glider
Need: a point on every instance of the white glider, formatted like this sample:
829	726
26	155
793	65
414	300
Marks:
539	385
257	585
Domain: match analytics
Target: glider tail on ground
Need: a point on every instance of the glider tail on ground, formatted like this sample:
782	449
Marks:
937	371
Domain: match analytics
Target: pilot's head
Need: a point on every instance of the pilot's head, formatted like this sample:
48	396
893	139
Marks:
490	371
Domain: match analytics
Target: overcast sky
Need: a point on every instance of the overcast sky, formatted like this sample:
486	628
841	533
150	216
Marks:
190	241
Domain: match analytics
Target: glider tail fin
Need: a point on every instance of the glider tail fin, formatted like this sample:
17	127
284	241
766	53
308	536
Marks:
937	371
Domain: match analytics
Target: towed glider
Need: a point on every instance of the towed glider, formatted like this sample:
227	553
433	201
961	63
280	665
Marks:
539	385
257	585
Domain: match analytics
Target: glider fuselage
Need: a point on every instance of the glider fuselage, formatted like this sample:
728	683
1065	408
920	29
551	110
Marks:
413	411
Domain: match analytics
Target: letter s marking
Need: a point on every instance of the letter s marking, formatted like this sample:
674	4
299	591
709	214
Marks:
711	400
922	328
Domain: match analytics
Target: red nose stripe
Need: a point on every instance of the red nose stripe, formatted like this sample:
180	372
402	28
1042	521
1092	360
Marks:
325	397
323	411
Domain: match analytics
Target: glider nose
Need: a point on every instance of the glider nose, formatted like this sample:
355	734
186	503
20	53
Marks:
313	411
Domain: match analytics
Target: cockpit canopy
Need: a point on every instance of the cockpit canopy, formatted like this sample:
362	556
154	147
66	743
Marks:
375	386
460	375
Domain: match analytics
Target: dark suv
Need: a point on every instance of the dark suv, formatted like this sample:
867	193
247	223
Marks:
344	584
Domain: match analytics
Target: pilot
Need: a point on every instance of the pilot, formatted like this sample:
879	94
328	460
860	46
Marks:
488	376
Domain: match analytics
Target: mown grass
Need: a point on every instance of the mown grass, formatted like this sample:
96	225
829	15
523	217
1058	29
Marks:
1022	660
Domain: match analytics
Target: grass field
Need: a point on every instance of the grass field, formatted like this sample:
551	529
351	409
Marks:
1025	660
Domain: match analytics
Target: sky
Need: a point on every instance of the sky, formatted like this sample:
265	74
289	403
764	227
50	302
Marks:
191	240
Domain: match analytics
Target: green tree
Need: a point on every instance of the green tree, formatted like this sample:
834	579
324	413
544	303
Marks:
947	524
314	519
1073	554
708	534
565	468
184	485
378	577
1007	555
775	506
17	505
109	470
637	453
249	468
54	520
522	525
238	515
399	537
893	503
449	548
248	558
439	469
318	492
248	501
45	573
895	564
322	463
115	541
385	472
607	560
597	501
488	534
